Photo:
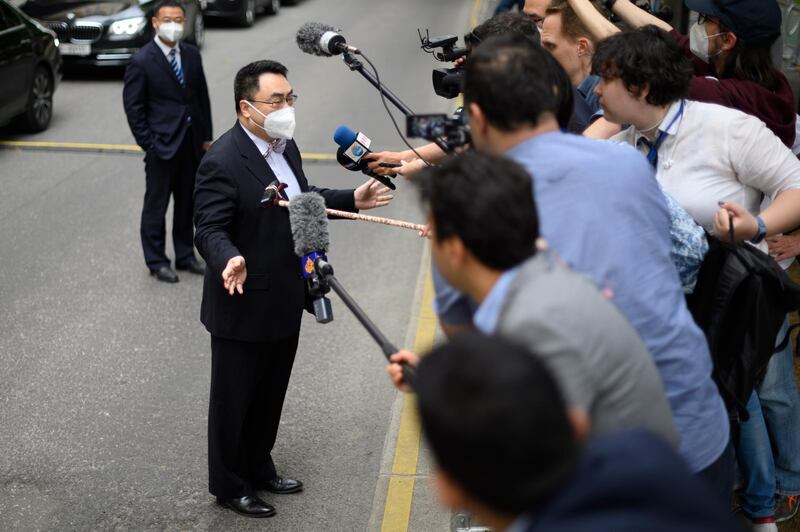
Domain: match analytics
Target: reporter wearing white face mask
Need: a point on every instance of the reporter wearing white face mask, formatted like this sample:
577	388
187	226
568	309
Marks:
169	112
730	49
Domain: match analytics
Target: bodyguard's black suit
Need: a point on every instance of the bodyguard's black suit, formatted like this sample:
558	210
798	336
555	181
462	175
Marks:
254	335
170	122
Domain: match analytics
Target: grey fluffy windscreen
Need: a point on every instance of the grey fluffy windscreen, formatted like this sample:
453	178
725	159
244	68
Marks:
308	37
309	223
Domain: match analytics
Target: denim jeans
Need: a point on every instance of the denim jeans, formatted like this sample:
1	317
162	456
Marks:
754	456
780	405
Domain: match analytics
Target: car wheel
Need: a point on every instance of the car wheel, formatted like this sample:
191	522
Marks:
199	36
247	16
272	7
39	109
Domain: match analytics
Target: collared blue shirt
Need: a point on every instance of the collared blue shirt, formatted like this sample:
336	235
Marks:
586	90
601	209
488	312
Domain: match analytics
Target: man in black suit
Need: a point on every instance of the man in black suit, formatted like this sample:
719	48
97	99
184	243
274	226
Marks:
166	102
254	293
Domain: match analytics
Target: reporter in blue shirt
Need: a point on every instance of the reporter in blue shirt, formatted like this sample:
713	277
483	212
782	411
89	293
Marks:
602	211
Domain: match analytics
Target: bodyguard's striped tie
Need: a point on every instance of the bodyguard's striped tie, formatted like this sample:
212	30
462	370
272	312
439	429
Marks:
173	61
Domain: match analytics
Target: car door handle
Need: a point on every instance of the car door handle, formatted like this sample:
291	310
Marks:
25	41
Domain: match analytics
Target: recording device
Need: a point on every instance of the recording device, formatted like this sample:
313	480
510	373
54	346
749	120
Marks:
320	39
309	225
352	149
447	82
454	129
664	13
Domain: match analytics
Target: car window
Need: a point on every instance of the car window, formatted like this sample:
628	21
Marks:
8	19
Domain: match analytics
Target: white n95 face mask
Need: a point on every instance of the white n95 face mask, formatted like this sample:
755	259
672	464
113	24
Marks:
170	31
279	124
698	42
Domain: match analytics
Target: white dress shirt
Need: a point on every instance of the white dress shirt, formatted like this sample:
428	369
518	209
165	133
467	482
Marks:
166	49
713	153
277	163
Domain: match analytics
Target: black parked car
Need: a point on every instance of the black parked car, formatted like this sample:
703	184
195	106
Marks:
30	69
107	32
243	12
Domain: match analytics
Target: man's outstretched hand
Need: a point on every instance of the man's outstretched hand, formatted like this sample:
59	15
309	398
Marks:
372	194
234	275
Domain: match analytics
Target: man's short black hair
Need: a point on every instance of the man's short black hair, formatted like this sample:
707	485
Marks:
168	3
512	82
496	422
508	23
646	56
488	203
245	85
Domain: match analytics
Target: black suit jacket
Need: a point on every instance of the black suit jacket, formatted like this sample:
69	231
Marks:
229	221
159	110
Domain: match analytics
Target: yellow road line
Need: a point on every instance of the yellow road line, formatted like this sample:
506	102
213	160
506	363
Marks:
397	510
112	148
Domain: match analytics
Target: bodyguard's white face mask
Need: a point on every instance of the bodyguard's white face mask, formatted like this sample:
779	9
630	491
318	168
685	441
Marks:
698	42
170	31
278	124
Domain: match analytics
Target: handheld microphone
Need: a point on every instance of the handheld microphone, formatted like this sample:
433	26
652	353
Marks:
321	39
352	149
310	232
309	227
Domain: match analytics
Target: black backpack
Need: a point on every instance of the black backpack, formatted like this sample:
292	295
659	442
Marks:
740	301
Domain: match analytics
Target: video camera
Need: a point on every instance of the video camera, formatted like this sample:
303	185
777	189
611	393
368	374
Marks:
447	82
454	129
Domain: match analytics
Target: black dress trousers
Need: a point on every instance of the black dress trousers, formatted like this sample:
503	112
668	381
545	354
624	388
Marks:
174	176
248	386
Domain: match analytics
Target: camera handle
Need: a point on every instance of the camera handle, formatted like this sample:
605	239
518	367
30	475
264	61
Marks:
357	66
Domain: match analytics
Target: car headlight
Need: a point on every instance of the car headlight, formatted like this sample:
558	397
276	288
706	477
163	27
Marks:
128	26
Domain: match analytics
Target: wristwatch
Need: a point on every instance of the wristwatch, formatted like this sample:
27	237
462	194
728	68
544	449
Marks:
762	231
609	4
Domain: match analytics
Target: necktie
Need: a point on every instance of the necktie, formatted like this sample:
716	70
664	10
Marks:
652	154
276	146
173	61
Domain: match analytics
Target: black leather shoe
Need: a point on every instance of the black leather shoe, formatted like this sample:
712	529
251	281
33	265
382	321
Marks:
165	274
193	266
248	506
283	485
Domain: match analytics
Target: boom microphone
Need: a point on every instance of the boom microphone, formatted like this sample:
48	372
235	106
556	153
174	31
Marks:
352	149
309	226
320	39
310	232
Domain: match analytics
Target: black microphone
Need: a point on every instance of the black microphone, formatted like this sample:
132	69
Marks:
309	224
352	149
320	39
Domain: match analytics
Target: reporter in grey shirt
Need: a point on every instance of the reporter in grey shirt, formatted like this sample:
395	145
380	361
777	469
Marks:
484	245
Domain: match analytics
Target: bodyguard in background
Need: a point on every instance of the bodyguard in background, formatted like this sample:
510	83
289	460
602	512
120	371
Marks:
168	109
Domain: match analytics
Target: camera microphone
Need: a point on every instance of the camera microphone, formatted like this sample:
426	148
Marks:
321	39
309	225
352	149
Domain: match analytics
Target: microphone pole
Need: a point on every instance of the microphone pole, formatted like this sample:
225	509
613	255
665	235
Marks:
325	273
357	66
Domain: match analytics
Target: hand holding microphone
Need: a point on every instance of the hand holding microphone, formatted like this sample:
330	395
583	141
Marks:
353	151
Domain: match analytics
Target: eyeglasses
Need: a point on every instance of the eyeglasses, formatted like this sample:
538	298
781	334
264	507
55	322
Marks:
278	102
167	20
703	18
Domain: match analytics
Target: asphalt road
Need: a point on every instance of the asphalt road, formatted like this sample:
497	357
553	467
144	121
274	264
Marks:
105	372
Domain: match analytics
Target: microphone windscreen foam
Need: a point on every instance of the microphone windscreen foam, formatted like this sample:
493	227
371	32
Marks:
344	136
308	37
309	223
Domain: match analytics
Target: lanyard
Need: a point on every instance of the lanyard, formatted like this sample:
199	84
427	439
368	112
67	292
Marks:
652	156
